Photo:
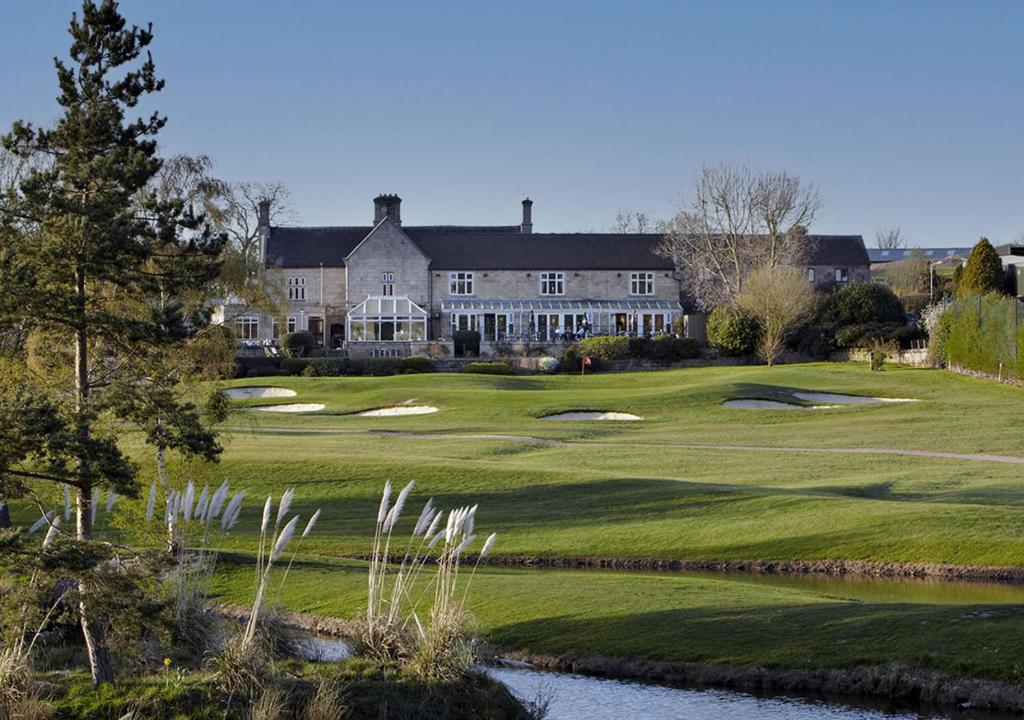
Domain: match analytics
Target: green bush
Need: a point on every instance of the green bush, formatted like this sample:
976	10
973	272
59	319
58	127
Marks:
866	335
489	368
294	366
861	304
732	332
816	340
309	371
297	344
417	364
666	347
604	347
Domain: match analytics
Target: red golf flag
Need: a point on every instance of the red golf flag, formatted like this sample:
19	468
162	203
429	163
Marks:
586	359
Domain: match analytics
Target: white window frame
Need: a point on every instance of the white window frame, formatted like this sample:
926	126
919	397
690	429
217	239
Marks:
297	289
247	327
387	284
842	275
291	324
812	275
641	284
552	283
460	283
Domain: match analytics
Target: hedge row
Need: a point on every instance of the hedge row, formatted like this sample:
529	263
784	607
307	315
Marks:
337	367
984	334
488	368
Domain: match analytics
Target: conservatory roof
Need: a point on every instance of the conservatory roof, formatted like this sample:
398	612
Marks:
538	305
387	306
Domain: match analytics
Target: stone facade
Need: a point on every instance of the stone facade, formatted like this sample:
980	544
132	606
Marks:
327	279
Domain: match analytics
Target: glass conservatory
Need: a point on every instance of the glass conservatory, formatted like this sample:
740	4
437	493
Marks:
385	318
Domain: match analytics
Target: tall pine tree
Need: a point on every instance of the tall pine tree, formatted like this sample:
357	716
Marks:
102	274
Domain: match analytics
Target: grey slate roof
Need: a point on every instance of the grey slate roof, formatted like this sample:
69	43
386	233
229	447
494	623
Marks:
505	248
883	256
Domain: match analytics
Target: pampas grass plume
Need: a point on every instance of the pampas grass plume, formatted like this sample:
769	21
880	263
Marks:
283	539
488	544
267	506
286	502
110	500
382	513
43	519
312	523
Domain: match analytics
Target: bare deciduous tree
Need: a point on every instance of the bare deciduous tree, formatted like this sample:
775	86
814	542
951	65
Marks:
241	214
890	238
629	221
779	298
735	222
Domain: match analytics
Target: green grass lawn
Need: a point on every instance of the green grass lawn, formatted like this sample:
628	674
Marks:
630	489
673	618
626	489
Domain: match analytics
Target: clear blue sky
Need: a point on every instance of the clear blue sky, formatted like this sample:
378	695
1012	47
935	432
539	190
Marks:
904	113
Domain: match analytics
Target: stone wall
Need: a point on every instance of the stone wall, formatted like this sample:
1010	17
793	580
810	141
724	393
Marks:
525	285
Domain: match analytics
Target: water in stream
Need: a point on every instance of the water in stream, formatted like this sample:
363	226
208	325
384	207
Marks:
574	697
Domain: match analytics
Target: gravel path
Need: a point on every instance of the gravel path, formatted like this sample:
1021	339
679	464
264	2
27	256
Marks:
976	457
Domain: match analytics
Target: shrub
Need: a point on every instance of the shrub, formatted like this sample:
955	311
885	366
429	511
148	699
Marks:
489	368
467	343
867	334
816	340
293	366
297	344
665	347
984	334
264	372
309	371
547	365
417	364
983	272
606	347
861	304
732	332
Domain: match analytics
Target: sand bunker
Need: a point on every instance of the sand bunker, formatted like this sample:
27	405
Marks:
591	415
290	408
747	404
846	399
253	393
399	410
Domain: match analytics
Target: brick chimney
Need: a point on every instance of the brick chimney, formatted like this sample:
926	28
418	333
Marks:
387	206
264	214
527	227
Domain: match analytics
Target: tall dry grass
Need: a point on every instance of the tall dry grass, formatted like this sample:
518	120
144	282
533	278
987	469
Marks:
434	646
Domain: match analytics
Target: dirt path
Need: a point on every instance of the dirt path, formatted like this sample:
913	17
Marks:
975	457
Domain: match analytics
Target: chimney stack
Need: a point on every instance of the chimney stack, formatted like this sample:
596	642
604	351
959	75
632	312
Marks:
264	214
387	206
527	227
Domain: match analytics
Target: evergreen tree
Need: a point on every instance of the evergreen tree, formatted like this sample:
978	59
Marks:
103	275
984	271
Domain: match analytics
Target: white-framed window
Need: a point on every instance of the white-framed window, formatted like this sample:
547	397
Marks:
297	289
460	283
641	283
292	323
247	327
552	283
812	275
842	275
387	284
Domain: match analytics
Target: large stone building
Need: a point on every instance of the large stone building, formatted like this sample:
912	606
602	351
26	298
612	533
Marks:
392	289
